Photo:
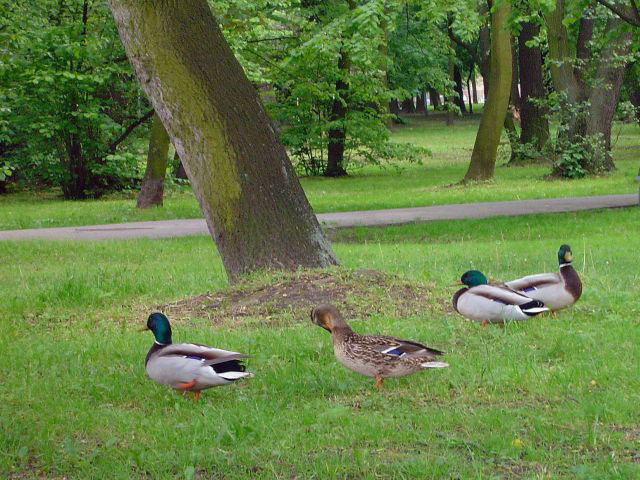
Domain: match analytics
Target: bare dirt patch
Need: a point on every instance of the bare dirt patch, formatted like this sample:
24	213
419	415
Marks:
357	294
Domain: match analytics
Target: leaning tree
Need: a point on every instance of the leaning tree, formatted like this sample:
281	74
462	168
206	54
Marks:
483	157
253	203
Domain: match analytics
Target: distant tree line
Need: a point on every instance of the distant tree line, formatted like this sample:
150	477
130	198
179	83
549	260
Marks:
334	77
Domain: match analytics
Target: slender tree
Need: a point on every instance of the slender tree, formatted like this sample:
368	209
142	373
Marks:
483	157
152	189
338	133
255	209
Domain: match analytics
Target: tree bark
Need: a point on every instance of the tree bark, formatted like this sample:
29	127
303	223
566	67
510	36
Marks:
457	78
252	200
338	133
408	106
152	189
484	41
606	91
474	88
434	98
179	170
483	158
534	125
421	103
594	101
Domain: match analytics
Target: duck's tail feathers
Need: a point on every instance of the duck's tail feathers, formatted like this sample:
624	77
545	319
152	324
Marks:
434	365
231	370
231	376
533	308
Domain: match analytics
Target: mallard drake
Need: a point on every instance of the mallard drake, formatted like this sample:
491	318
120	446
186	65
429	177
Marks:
556	290
492	303
189	366
376	356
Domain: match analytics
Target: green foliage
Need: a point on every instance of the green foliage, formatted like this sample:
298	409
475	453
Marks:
68	94
308	82
575	154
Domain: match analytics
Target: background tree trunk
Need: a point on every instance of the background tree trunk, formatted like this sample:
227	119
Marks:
483	158
606	91
179	170
534	124
434	98
457	77
338	134
255	208
420	103
474	88
408	106
152	189
484	43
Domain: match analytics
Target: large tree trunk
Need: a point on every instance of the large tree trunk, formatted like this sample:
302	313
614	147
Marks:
252	200
533	116
152	189
559	52
457	78
606	91
483	158
338	134
594	100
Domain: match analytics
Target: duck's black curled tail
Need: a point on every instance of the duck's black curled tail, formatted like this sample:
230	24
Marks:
229	366
533	308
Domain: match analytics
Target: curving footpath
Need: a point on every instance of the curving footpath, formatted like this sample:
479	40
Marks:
366	218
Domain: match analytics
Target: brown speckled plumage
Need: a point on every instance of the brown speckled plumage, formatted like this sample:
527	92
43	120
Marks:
376	356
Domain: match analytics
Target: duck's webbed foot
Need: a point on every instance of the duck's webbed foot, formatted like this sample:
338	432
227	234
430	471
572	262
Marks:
379	381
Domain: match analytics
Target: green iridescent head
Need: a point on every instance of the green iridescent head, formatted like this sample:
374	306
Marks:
565	255
473	278
159	325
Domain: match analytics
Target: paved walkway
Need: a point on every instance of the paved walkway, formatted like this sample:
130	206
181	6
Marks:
396	216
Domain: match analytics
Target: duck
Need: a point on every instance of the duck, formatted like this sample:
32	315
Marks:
490	303
377	356
189	366
556	290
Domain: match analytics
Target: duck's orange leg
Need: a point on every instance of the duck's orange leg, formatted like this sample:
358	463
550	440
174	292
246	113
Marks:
187	386
197	394
485	323
379	380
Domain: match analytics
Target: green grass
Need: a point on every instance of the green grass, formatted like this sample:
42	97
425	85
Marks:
75	402
432	183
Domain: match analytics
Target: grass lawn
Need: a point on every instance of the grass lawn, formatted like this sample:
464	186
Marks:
547	398
368	188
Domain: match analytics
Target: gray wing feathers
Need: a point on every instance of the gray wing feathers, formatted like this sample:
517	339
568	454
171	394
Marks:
537	281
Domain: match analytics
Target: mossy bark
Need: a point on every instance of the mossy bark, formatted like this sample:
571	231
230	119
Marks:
483	158
152	189
252	200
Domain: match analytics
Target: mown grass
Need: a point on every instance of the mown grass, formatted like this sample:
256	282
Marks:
548	398
434	182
